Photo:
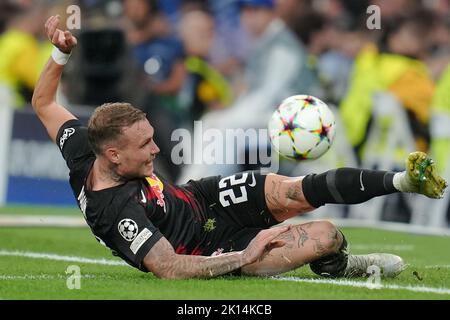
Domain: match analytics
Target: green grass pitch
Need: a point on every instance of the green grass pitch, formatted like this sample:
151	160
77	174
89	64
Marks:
44	277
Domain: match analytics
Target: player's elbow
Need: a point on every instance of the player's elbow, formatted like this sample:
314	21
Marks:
37	101
40	100
164	263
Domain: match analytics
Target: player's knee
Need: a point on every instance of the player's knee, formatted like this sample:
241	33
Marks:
334	263
329	238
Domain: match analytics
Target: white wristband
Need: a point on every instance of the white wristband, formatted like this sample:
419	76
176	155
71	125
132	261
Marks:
59	57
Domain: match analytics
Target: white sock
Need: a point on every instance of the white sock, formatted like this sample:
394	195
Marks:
402	182
398	177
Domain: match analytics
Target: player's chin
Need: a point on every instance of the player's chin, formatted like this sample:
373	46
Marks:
148	169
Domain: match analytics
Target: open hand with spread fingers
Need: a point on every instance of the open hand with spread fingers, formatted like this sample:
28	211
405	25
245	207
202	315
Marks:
264	242
63	40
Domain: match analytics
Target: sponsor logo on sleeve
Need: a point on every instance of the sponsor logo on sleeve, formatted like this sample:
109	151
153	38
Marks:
128	229
140	240
66	135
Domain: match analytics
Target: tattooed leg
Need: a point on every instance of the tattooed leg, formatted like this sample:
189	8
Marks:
305	243
284	197
287	197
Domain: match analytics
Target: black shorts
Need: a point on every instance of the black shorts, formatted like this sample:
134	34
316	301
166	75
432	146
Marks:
238	208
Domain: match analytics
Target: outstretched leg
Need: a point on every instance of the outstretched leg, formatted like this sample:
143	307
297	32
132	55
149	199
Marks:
288	197
319	243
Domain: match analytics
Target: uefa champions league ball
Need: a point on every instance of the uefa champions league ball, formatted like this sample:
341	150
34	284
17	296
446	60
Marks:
302	127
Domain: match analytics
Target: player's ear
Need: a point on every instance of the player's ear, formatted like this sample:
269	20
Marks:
113	155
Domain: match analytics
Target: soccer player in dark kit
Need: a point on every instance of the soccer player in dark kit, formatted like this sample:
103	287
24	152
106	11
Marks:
217	225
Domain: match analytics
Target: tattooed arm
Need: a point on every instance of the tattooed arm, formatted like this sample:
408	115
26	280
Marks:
165	263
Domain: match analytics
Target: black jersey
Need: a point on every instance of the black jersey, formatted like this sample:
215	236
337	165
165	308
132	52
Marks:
203	217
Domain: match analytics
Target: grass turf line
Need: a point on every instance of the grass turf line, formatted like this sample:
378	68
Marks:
46	279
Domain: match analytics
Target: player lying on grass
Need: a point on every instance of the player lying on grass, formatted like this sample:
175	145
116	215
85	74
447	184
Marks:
216	225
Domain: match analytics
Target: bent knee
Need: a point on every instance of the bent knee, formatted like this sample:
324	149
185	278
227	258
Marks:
331	262
328	239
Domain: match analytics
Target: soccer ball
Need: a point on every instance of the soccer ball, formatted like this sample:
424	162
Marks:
303	127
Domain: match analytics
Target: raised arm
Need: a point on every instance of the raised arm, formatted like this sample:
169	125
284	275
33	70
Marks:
51	114
165	263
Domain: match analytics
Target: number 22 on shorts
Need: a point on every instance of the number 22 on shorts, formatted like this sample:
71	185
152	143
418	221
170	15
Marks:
232	181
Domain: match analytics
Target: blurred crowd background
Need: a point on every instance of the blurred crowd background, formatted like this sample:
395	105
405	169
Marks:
231	62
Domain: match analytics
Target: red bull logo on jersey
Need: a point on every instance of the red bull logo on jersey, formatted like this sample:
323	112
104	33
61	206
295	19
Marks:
157	187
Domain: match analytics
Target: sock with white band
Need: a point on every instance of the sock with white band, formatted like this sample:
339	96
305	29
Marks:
60	57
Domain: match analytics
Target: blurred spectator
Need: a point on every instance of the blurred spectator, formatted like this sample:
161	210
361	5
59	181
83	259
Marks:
290	10
231	43
310	28
193	5
19	51
343	13
300	18
400	70
159	55
393	9
197	33
173	10
439	47
441	122
332	51
97	14
205	88
440	127
441	7
332	9
276	68
323	39
7	10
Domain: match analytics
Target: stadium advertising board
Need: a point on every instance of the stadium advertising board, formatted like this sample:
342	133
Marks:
36	172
